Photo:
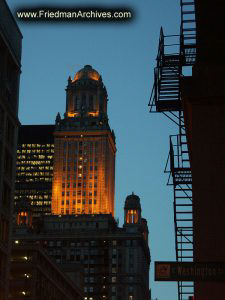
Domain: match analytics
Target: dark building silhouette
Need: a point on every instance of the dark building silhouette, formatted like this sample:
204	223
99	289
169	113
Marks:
10	68
204	105
34	167
104	260
35	276
197	104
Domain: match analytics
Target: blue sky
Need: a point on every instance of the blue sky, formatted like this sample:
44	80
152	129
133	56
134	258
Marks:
124	54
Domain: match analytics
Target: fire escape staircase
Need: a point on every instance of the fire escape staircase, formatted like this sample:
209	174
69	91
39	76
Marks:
166	98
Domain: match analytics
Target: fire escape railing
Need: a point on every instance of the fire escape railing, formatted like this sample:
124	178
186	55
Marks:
166	97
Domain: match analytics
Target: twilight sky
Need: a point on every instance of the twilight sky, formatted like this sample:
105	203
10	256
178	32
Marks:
124	54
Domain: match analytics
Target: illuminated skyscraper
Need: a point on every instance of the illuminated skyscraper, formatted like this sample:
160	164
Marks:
34	167
84	158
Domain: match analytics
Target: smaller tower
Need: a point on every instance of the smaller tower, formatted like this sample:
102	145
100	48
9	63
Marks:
132	210
133	220
23	213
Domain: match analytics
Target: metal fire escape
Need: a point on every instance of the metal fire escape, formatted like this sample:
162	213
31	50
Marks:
175	52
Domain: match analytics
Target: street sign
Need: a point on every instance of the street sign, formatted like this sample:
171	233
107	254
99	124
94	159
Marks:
189	271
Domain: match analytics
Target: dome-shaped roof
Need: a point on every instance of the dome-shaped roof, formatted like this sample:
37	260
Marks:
87	73
132	202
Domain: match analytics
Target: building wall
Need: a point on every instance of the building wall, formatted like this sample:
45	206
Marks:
204	99
106	261
34	167
10	56
83	180
35	277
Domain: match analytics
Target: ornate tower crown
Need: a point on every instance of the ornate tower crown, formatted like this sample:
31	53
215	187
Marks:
86	94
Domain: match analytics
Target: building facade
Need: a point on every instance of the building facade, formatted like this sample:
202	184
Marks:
104	260
34	167
84	159
204	106
34	276
10	57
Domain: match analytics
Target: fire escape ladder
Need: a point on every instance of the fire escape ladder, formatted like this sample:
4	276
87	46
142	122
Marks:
183	213
165	96
188	32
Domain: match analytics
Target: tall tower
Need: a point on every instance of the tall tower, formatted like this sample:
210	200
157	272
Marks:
84	159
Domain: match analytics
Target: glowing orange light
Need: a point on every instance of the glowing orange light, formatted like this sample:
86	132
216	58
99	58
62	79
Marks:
72	114
93	114
90	74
